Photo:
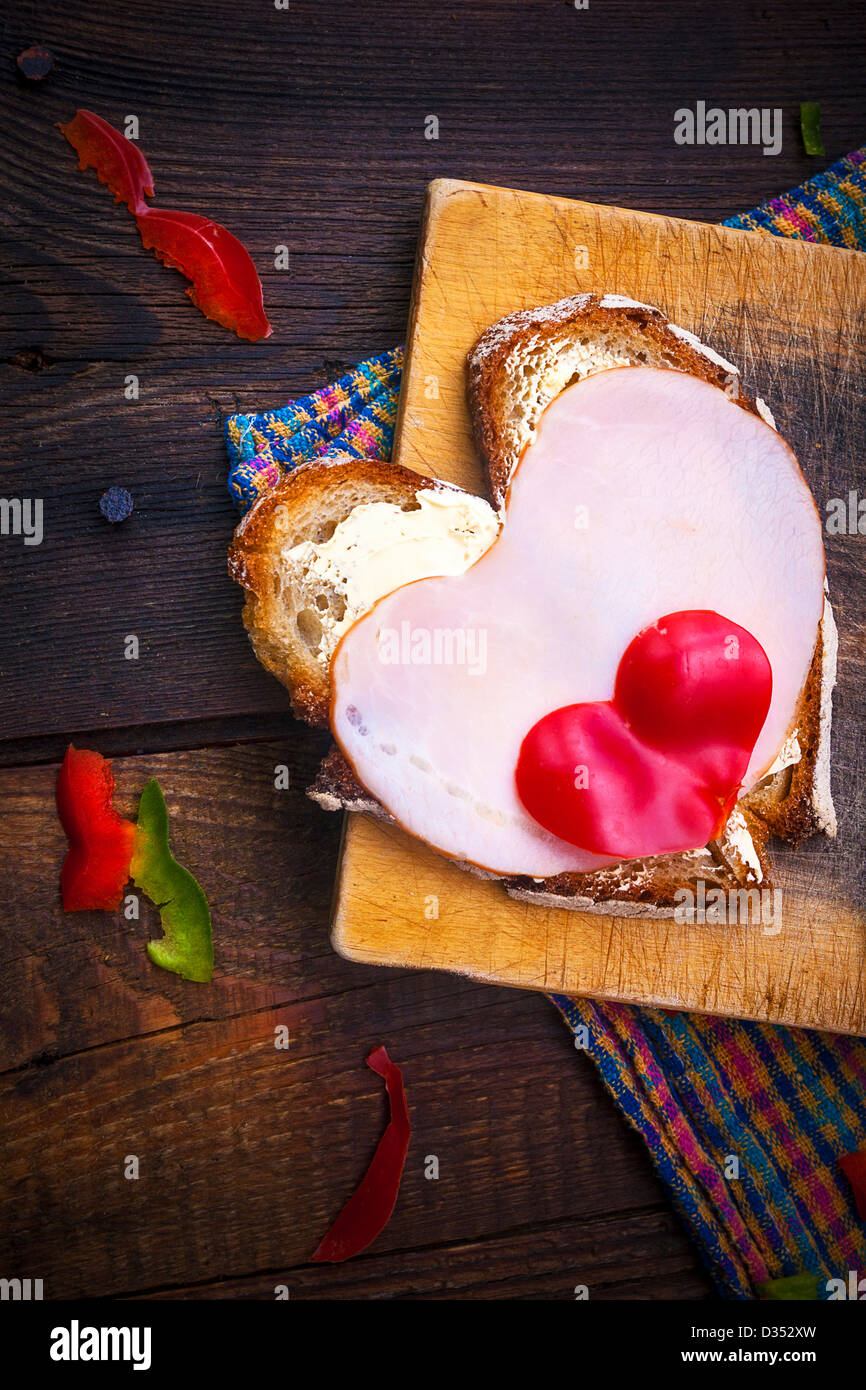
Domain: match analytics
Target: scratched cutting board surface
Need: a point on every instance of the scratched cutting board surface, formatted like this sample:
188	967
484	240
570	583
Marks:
791	315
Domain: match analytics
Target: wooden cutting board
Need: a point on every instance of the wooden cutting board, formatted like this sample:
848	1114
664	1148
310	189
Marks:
791	315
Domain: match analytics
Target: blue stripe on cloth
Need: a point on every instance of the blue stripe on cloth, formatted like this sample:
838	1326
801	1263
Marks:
728	1125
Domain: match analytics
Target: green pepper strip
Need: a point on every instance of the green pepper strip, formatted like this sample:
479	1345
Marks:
187	947
796	1287
810	127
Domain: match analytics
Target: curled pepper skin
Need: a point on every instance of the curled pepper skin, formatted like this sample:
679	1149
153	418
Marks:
368	1210
810	127
225	283
118	162
187	947
96	866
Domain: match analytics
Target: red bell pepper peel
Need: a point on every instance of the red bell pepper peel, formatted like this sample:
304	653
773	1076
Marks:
96	866
118	162
225	283
368	1210
854	1167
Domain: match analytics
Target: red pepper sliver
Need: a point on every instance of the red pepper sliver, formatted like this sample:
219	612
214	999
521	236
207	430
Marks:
96	866
369	1208
117	161
225	283
854	1167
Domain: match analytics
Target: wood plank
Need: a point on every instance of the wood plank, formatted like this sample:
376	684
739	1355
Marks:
790	314
246	1153
163	737
637	1255
265	859
812	973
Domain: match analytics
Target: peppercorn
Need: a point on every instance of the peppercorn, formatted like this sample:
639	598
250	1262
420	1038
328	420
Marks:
116	504
35	63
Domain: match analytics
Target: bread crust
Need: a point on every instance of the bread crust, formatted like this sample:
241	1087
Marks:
544	335
308	504
650	883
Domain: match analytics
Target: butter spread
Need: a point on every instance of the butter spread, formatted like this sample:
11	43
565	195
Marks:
570	364
379	547
580	365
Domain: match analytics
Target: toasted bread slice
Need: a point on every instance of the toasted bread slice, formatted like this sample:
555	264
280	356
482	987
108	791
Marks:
517	367
526	359
336	534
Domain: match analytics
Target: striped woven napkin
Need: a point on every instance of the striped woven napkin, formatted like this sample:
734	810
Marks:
786	1103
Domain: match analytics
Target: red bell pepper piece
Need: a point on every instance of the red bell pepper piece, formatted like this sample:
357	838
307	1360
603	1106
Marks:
117	161
854	1167
656	769
368	1210
96	866
225	283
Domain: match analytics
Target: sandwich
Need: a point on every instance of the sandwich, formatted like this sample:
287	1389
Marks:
605	680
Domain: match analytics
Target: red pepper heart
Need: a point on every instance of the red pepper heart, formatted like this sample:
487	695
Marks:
657	769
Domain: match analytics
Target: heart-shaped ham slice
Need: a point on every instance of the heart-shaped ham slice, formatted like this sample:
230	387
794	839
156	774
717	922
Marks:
657	769
644	492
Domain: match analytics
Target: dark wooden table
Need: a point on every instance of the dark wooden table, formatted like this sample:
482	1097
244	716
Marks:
302	127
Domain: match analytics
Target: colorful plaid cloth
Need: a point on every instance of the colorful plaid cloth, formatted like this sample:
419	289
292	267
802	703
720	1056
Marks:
831	207
745	1122
355	415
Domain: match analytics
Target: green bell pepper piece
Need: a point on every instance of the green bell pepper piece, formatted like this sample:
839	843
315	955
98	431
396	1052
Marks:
810	127
187	947
800	1287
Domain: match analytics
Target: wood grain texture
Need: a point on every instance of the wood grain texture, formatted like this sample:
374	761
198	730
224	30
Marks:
538	1264
790	314
303	127
248	1151
81	980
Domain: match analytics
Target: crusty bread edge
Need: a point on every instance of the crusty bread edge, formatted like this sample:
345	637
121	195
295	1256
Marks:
822	792
494	356
258	532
